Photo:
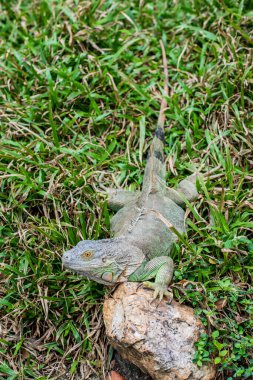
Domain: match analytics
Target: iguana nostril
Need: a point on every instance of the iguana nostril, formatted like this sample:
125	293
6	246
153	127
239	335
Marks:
65	257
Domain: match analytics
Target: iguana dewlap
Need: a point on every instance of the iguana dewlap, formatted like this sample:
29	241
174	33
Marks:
142	238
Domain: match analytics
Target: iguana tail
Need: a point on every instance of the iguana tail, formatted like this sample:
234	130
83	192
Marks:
161	119
155	170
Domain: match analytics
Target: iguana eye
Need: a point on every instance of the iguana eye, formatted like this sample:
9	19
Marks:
87	254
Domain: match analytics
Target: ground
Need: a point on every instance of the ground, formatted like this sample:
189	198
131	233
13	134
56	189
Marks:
81	85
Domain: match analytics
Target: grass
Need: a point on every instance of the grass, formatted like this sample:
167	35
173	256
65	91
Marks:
80	90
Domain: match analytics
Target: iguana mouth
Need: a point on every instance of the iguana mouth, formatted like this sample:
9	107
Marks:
94	278
106	280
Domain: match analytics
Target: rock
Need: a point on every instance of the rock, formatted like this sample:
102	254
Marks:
126	369
157	337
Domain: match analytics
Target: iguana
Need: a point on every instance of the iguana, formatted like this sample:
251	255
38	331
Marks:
141	243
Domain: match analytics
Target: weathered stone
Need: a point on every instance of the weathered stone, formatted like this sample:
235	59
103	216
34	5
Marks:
127	370
157	337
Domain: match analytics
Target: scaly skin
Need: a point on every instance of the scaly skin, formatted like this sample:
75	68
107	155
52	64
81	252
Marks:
142	241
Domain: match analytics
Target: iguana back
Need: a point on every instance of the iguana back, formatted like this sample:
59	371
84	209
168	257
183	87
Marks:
141	224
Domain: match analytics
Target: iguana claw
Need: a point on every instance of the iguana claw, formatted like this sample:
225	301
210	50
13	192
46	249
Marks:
160	290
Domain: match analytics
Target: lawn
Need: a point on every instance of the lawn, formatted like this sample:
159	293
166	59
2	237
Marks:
81	86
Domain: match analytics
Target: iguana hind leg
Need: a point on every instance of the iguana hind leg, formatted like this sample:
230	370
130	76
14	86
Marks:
118	198
186	189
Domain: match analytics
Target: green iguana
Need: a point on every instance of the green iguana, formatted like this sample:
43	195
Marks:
141	243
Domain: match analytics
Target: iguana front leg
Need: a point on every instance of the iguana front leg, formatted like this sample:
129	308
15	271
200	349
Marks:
118	198
161	268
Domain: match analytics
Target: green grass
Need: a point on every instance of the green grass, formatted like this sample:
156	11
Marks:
80	88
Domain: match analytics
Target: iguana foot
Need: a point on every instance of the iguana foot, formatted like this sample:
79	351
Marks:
160	290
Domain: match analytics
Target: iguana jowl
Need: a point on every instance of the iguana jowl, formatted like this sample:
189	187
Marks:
141	243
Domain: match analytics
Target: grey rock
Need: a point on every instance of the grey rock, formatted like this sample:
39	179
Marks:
155	336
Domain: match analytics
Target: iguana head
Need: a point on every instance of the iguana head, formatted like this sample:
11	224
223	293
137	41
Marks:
106	261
